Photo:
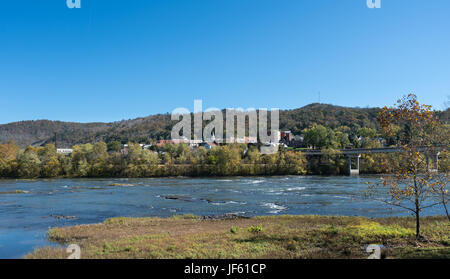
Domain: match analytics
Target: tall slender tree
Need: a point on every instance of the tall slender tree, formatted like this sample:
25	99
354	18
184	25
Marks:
410	183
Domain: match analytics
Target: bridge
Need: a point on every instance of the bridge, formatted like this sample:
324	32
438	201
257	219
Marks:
430	152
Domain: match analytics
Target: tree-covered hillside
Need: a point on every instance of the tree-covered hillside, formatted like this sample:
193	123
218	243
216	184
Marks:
159	126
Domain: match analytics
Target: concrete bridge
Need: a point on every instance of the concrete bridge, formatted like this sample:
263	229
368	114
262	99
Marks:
430	152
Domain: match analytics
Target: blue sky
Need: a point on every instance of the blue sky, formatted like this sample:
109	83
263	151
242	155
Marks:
118	59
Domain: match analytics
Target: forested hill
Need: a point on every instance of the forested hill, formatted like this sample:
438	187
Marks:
159	126
39	132
328	115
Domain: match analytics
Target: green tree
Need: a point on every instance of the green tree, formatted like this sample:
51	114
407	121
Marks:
367	132
114	146
342	139
320	137
80	160
98	160
316	136
141	162
50	164
28	163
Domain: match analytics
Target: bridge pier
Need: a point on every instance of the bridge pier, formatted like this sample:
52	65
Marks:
352	171
434	155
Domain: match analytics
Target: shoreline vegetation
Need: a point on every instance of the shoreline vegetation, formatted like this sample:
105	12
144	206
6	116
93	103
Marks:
234	237
408	125
97	161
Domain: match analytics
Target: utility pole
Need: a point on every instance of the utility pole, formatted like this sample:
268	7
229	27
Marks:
56	146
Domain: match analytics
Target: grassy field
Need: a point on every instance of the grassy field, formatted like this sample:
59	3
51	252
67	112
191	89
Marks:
304	237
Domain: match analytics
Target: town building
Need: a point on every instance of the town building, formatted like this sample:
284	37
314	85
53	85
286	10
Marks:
287	136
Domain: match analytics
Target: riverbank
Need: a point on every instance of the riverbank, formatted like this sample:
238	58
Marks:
306	237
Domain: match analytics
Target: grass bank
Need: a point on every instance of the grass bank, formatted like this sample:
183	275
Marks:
305	237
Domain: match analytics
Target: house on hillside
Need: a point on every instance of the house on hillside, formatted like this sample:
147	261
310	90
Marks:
287	136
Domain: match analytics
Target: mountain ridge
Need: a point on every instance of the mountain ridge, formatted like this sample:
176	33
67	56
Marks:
158	126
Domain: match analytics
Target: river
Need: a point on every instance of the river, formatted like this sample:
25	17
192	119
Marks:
28	208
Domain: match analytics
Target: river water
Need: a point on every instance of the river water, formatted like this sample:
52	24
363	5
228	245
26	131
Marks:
26	217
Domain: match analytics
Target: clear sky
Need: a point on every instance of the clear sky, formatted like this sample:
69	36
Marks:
121	59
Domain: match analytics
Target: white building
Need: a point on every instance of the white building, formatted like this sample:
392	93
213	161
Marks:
64	151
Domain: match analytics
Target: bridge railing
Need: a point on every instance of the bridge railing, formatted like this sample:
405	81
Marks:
375	150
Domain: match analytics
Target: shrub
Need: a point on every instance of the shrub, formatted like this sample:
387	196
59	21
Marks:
234	229
255	229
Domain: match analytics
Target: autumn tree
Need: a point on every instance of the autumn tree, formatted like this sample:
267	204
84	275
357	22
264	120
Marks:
8	156
293	162
140	162
226	160
253	159
197	159
409	185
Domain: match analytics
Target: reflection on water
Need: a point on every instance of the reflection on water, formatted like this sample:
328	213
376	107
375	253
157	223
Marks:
28	208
